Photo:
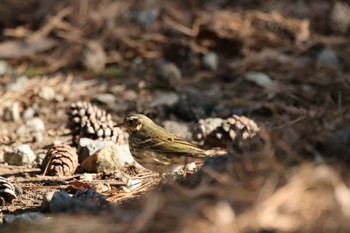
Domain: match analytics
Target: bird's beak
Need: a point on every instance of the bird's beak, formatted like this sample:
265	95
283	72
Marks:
120	125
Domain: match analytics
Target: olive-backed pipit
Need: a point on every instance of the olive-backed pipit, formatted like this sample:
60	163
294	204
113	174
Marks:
155	148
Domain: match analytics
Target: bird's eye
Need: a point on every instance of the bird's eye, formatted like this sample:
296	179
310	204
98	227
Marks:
129	122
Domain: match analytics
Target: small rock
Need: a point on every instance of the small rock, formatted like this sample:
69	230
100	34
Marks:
18	85
34	217
32	125
4	67
19	155
211	61
60	202
106	98
47	93
28	113
59	98
11	113
94	57
327	58
40	157
164	98
104	160
125	156
145	17
260	79
87	176
88	147
38	137
167	74
47	197
83	200
179	129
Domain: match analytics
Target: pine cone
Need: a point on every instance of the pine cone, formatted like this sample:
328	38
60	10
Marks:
232	133
60	160
339	18
7	192
89	121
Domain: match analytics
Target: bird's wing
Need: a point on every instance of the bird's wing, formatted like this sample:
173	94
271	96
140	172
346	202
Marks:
175	145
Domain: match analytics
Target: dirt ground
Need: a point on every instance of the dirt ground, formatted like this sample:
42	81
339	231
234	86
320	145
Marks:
276	73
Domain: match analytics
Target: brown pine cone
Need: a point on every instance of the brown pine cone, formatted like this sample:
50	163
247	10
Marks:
7	192
232	133
60	160
89	121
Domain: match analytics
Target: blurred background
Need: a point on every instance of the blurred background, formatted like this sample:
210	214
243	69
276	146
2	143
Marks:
282	64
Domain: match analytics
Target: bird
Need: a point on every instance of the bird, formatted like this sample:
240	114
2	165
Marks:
157	149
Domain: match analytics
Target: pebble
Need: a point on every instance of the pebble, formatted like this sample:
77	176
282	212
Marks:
11	113
40	157
18	85
28	113
87	176
164	98
327	58
106	98
47	197
146	17
210	61
260	79
60	201
47	93
177	128
34	217
88	147
38	137
125	156
104	160
4	67
19	155
31	125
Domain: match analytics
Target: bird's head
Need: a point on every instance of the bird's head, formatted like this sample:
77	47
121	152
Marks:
135	122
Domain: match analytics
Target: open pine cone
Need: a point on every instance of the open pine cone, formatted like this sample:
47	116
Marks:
235	132
60	160
7	192
89	121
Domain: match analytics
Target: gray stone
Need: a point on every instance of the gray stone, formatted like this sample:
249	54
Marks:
28	113
25	217
47	197
38	137
60	202
18	85
19	155
124	154
11	113
327	58
179	129
4	67
88	147
260	79
211	61
47	93
164	98
106	98
104	160
32	125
